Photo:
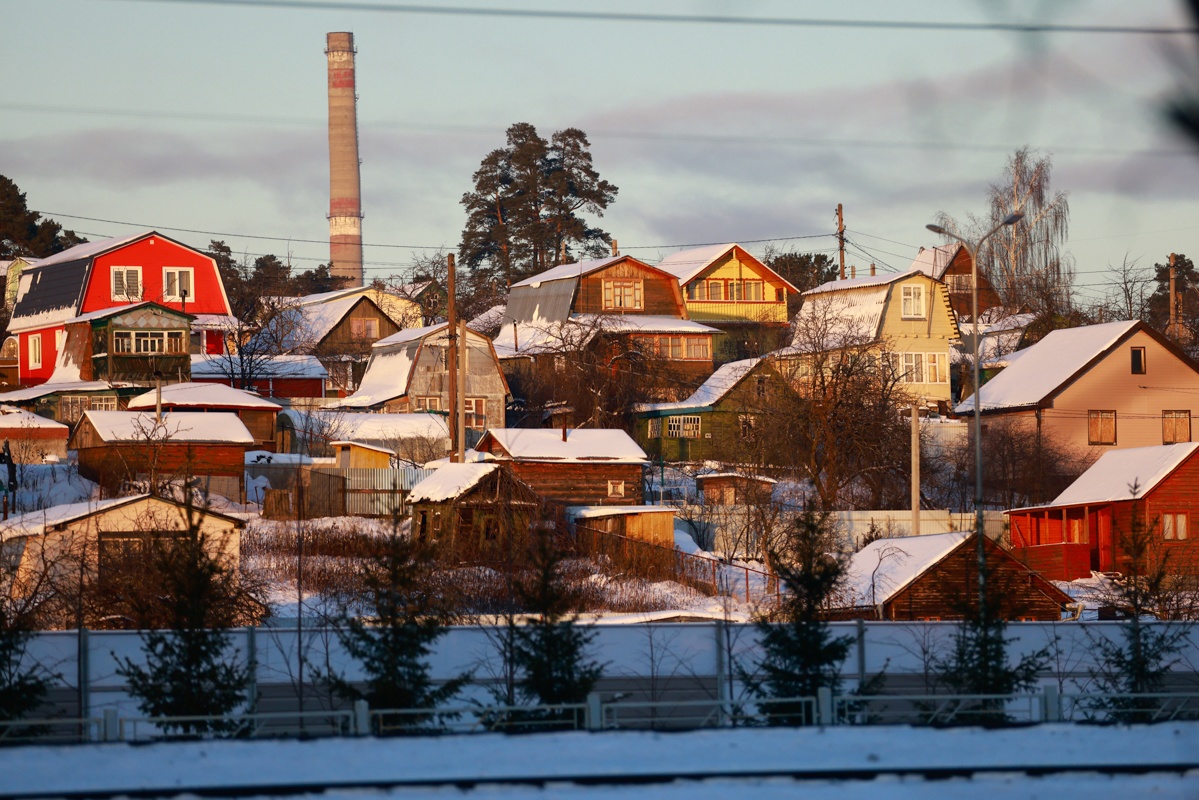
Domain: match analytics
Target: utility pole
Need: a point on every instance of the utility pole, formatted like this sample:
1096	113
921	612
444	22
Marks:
452	357
841	237
915	469
460	379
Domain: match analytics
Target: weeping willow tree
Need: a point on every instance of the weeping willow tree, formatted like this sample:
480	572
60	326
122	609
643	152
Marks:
1026	262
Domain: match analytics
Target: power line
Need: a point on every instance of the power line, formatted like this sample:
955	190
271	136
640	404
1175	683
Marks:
701	19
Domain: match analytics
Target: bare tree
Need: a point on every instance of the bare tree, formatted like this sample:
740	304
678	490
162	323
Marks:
1128	292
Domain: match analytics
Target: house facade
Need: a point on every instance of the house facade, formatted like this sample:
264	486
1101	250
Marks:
409	372
951	264
1086	527
104	275
1096	388
290	380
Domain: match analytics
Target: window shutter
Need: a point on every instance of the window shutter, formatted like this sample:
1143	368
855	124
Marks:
118	283
1094	428
132	290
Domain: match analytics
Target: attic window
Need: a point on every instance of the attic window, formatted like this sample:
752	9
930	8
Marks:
913	302
623	294
126	283
178	283
1138	360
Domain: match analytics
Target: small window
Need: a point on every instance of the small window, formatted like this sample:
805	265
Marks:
761	386
913	302
615	488
653	428
476	413
127	283
698	348
748	424
1176	427
1138	360
683	427
937	365
1101	427
428	404
104	403
913	366
122	342
35	351
71	407
754	291
178	284
715	290
622	294
1174	527
364	328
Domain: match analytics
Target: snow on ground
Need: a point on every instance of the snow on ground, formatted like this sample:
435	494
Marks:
716	755
42	486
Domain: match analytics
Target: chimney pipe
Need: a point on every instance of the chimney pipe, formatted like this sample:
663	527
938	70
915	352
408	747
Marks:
345	189
615	248
853	271
872	269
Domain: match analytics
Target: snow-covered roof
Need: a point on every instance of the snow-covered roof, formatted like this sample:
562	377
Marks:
1111	478
364	445
290	366
759	478
215	322
718	384
997	347
596	512
884	567
581	444
490	319
92	249
360	426
450	482
688	264
50	387
531	338
312	322
1045	366
176	426
573	270
210	395
868	281
36	522
828	320
386	378
933	261
409	335
112	311
11	417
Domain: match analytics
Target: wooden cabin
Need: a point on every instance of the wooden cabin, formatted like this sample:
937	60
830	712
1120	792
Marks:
1085	528
734	489
256	413
119	446
579	467
360	455
935	577
653	524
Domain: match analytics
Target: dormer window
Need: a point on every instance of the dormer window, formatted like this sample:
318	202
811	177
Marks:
178	284
620	294
127	283
913	302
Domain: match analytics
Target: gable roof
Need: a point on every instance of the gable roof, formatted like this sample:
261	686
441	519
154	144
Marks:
450	481
580	445
1111	478
177	426
712	391
1047	366
885	567
366	427
36	522
550	295
303	326
200	395
934	261
688	264
576	269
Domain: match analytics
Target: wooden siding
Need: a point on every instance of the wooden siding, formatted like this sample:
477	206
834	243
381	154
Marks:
155	255
109	465
943	589
661	293
929	335
963	302
484	378
581	483
342	340
739	265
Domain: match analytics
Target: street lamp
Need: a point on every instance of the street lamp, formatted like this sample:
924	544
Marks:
972	248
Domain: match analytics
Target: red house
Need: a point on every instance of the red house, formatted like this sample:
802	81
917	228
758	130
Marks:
109	274
1081	529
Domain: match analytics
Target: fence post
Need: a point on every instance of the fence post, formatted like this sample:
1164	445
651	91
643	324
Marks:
112	726
861	652
747	600
362	718
824	705
722	689
1051	705
595	712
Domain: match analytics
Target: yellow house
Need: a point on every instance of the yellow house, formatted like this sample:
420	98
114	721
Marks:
37	546
725	284
906	315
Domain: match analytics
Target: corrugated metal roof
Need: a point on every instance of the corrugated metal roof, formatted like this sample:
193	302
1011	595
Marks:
550	301
48	295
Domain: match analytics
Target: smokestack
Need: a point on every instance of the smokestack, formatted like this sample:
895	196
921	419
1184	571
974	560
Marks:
345	189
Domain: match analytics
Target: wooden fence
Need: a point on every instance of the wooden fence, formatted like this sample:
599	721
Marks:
321	491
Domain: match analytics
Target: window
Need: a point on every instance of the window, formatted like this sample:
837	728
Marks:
1138	360
913	367
960	284
754	291
913	302
937	365
622	294
178	284
1174	527
126	283
686	427
615	488
715	290
677	348
35	351
428	404
104	404
653	428
71	407
1101	427
736	290
148	342
1176	427
476	413
747	424
364	328
697	348
761	386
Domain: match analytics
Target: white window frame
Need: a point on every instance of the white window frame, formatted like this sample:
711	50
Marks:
177	271
653	429
615	488
683	426
936	364
368	328
912	302
912	367
35	351
621	293
124	272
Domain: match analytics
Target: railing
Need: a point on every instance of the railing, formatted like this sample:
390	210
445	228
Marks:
1047	706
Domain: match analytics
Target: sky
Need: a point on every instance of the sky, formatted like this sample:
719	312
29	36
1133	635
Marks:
207	120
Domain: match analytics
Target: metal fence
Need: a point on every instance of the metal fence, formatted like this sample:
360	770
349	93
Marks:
616	713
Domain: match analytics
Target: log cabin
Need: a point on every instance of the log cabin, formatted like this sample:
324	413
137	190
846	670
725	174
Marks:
256	413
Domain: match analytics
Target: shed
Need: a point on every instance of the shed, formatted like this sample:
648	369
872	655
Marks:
653	524
256	413
935	577
32	438
117	446
734	489
360	455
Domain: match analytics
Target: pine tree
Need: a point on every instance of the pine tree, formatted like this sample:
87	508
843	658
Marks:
802	655
22	687
408	614
185	598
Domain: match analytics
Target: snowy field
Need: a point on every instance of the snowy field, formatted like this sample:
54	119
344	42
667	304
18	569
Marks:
880	763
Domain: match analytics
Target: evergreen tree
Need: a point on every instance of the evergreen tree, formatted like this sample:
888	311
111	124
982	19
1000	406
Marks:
24	232
408	613
523	214
185	599
803	270
802	655
22	687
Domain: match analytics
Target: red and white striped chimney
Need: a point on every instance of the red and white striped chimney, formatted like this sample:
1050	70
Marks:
345	187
